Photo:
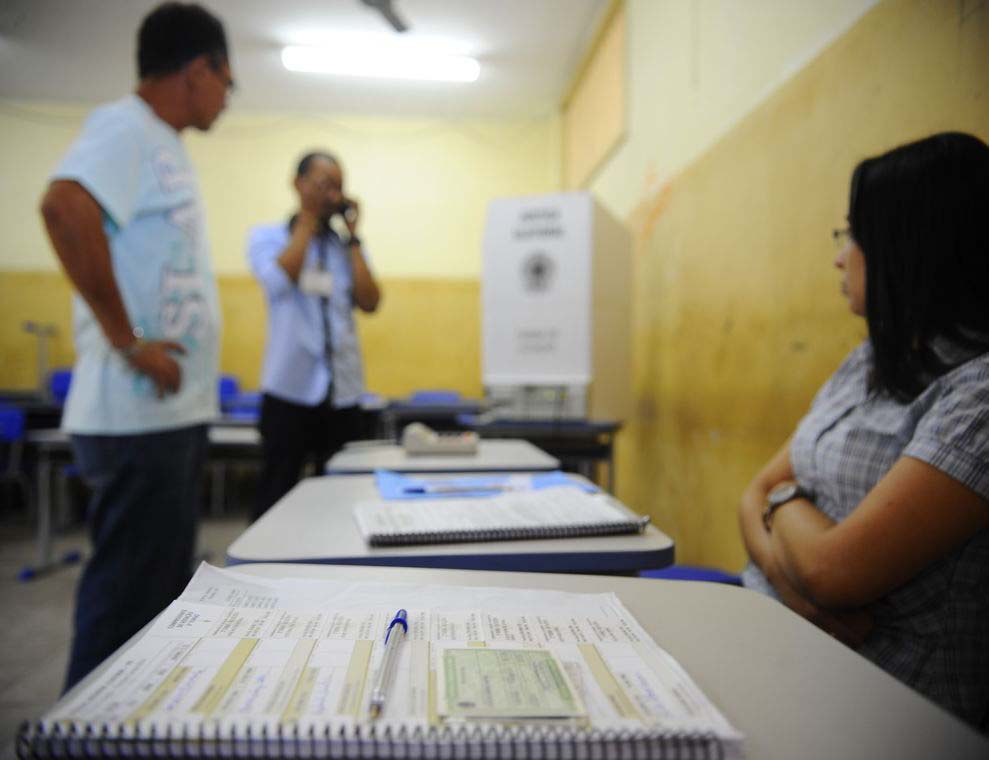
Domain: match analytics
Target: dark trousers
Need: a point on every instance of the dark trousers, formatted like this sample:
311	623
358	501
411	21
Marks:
142	518
293	435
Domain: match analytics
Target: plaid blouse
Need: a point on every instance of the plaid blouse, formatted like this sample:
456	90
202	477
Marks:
932	633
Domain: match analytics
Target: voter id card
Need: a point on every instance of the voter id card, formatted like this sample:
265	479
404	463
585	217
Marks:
316	282
495	683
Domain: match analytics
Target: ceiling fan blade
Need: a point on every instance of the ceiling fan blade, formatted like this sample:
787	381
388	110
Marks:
384	7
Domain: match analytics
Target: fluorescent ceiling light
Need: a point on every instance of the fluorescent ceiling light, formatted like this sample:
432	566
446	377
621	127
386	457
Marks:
385	62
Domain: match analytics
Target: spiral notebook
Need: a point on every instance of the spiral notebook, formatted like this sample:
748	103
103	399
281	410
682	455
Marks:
242	666
558	512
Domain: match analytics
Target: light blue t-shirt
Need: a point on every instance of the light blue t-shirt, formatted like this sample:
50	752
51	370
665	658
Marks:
135	166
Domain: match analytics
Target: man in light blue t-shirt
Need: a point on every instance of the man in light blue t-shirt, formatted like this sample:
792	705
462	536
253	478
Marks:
125	218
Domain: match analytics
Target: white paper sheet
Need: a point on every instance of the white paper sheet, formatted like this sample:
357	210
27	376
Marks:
236	651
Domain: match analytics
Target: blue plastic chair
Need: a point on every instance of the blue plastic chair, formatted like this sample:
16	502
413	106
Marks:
236	404
243	414
229	389
693	573
372	401
229	386
12	448
11	424
249	398
426	398
58	384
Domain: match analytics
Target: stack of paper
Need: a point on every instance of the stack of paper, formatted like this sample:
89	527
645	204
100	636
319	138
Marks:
239	663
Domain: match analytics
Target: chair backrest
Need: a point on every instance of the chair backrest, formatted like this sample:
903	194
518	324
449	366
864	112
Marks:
229	388
11	441
434	397
59	381
11	424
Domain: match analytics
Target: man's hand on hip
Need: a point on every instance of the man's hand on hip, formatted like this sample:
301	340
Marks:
154	359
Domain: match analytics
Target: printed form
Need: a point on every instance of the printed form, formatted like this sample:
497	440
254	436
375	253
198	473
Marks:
237	651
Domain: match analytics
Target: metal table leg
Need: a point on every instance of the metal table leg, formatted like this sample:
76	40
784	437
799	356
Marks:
44	491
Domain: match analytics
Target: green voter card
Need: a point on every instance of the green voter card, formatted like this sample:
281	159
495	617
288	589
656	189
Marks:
481	682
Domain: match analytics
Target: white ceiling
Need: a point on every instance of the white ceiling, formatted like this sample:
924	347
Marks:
83	51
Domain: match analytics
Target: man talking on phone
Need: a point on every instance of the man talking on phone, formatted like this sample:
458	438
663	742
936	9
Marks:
314	274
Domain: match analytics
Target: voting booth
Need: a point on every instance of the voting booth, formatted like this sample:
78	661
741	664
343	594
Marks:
556	295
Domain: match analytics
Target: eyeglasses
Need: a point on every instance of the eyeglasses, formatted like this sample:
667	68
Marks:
842	236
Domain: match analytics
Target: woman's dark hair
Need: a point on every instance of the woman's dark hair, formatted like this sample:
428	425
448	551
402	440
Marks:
920	214
174	34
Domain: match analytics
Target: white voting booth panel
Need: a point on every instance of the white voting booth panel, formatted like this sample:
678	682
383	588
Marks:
556	302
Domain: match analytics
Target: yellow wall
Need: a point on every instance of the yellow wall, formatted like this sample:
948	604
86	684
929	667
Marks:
38	297
424	184
594	113
695	68
738	313
427	337
424	187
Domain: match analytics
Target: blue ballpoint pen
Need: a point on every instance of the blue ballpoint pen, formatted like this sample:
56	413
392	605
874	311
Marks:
495	488
394	635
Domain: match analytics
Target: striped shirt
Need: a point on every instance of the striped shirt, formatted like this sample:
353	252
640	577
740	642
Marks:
932	633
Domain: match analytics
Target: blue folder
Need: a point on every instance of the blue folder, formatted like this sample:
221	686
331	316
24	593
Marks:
394	485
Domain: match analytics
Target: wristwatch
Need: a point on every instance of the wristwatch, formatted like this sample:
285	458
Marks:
782	494
133	347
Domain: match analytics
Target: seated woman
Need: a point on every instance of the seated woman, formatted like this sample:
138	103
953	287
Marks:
872	520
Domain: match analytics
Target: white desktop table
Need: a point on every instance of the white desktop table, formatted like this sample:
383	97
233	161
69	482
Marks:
491	456
791	689
314	523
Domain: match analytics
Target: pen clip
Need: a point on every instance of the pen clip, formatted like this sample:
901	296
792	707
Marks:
401	618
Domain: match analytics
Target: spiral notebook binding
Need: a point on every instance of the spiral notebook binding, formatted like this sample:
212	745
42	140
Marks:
89	740
621	527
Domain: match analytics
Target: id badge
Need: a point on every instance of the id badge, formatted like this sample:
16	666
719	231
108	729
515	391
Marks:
316	283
